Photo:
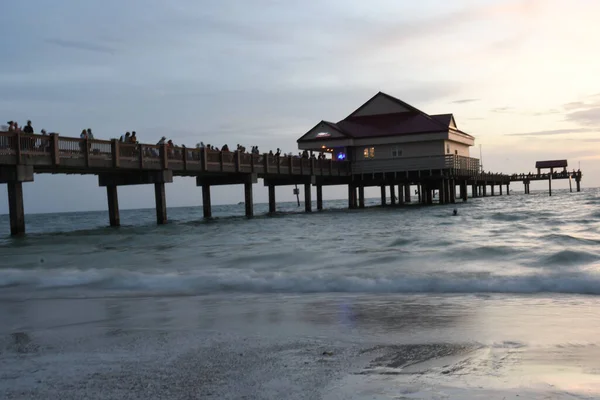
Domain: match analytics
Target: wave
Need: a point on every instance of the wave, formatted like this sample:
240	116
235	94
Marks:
307	282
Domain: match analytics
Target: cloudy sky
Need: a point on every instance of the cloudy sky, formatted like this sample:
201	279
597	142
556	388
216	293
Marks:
521	76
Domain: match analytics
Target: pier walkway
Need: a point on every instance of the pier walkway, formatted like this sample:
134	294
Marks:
119	164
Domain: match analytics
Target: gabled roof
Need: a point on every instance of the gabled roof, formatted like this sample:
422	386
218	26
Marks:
385	115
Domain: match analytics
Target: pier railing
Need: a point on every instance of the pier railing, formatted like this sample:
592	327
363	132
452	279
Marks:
54	152
466	165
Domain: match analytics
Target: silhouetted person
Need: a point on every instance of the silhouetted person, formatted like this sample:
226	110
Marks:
28	128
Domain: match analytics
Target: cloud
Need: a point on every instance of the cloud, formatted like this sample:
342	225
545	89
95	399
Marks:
503	110
586	117
463	101
81	45
552	132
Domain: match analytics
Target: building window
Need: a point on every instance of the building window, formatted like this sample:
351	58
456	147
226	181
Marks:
456	152
396	152
369	152
447	149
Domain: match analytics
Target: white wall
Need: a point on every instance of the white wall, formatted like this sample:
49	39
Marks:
456	148
419	149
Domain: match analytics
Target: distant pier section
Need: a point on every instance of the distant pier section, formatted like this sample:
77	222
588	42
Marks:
385	142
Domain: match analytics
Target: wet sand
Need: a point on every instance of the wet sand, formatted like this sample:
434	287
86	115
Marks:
300	347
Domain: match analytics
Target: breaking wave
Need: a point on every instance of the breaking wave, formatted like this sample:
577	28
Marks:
190	283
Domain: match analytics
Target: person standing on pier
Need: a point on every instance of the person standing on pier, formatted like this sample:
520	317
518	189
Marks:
28	128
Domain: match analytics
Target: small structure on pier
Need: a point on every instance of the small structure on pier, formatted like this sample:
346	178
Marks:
551	165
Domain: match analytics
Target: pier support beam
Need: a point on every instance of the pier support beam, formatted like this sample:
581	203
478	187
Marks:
319	197
463	190
272	204
484	189
392	195
15	208
113	205
383	203
492	189
442	191
578	182
361	197
452	188
307	198
419	191
550	184
500	189
401	194
206	201
407	193
508	189
248	198
161	203
351	196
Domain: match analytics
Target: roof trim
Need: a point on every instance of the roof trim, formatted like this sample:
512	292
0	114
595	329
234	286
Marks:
332	125
381	136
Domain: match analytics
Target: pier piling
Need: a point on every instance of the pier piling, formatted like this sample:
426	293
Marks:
272	203
206	201
361	197
248	198
15	208
383	202
113	205
319	197
407	193
392	195
161	203
307	198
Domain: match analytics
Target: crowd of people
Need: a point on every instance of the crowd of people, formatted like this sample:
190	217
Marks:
131	138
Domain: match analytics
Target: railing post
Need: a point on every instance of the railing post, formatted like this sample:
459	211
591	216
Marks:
115	152
18	147
164	156
86	153
203	159
266	163
54	150
237	160
141	150
184	157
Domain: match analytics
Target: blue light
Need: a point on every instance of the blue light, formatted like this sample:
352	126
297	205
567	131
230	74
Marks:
341	156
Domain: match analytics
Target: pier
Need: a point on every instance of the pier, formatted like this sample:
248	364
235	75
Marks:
118	164
410	155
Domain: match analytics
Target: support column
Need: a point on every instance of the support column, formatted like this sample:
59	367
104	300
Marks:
392	194
492	188
484	189
420	197
248	198
383	202
307	198
500	188
361	197
407	193
429	192
161	203
351	196
474	190
578	182
463	195
550	184
452	184
508	189
206	201
319	197
442	192
113	205
15	208
272	204
401	193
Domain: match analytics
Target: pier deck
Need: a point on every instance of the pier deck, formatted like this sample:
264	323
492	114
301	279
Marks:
119	164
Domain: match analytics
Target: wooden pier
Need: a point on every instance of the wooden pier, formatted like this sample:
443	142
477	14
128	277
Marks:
119	164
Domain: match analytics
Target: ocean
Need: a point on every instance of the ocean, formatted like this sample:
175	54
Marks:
501	301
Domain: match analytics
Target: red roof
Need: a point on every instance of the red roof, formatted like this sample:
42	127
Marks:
410	122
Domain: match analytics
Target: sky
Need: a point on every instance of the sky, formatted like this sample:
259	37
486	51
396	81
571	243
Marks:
522	76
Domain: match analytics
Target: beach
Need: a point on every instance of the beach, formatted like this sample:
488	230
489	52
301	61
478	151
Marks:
499	302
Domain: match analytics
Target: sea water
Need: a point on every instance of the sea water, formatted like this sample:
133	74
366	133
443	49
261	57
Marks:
500	301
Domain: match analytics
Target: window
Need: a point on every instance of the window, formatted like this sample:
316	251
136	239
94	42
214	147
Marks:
447	149
396	152
369	152
456	152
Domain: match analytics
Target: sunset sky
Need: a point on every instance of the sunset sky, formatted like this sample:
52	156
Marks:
523	77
